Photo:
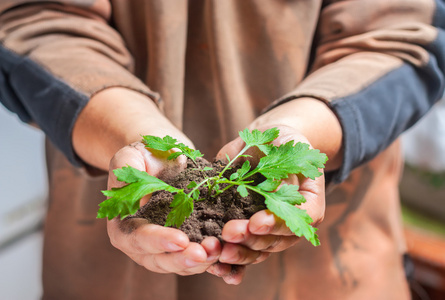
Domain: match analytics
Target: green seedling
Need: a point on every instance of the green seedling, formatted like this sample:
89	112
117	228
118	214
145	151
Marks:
276	165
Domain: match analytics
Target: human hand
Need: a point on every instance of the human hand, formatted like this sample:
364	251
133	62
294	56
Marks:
157	248
252	241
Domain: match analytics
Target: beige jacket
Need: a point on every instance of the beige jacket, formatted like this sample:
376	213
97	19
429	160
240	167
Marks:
213	66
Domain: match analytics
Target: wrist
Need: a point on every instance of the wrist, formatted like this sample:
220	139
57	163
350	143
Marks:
114	118
314	120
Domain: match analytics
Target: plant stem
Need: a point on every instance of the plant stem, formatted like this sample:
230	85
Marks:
197	186
230	184
227	167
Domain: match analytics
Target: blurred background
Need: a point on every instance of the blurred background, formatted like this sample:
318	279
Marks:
422	191
23	196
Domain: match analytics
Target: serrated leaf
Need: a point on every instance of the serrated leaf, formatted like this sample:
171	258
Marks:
182	207
297	220
292	159
167	143
242	191
269	185
288	193
282	204
195	194
256	137
234	176
244	169
124	201
192	184
193	154
266	148
174	155
164	144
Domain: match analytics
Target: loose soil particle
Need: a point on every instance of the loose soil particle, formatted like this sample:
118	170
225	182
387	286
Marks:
210	214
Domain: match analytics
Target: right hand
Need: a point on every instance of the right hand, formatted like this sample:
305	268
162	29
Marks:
157	248
97	138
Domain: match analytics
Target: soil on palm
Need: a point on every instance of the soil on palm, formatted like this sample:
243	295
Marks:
211	213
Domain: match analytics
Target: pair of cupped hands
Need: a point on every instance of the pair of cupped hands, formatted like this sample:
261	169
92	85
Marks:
168	250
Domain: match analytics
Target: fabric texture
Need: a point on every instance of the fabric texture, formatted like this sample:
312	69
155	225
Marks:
36	96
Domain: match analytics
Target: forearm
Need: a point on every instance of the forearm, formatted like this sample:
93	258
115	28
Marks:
315	120
114	118
48	77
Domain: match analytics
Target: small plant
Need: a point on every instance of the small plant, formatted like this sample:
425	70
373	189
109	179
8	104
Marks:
276	165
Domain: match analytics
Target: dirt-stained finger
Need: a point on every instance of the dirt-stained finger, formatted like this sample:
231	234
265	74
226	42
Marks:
139	237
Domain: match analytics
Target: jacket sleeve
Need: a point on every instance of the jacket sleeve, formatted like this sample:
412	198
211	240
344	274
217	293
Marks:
54	57
380	66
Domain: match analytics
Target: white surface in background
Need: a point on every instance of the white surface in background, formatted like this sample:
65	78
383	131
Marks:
424	143
23	194
21	268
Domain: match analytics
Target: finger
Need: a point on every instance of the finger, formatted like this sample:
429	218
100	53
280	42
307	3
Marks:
190	261
219	269
231	149
231	274
139	157
314	193
236	275
139	237
237	232
236	254
265	222
213	248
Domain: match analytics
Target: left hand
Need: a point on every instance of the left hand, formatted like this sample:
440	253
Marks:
252	241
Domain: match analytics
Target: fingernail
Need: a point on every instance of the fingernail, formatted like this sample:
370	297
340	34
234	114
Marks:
212	258
237	238
262	229
229	258
174	247
191	263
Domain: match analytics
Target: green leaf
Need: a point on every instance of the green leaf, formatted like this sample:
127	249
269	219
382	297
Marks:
174	155
266	148
167	143
207	169
282	204
288	193
292	159
256	137
195	193
244	169
124	201
296	219
164	144
191	153
242	191
182	207
192	185
234	176
269	185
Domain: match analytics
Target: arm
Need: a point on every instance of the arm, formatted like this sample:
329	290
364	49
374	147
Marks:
78	87
378	68
51	66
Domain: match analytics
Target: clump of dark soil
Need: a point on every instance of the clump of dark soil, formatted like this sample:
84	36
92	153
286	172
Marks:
210	214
